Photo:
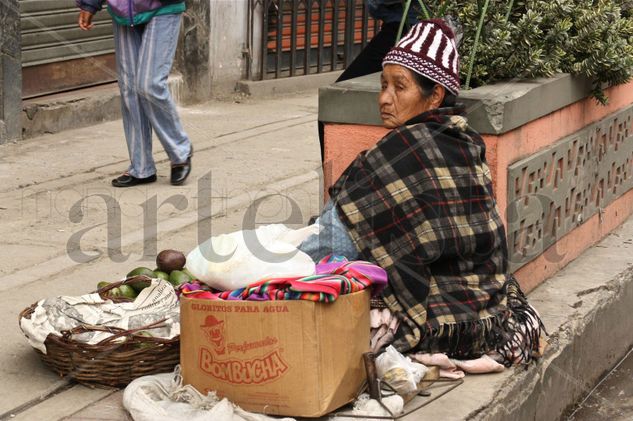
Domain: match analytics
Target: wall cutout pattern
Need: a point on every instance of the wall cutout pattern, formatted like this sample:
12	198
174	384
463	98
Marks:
555	190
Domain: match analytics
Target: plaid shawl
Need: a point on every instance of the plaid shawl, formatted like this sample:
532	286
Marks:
420	204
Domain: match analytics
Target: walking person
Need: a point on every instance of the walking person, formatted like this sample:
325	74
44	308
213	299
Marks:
145	40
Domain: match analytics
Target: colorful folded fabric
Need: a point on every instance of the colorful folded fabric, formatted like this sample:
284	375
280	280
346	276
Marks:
334	276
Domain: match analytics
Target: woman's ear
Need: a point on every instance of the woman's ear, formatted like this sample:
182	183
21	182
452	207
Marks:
437	96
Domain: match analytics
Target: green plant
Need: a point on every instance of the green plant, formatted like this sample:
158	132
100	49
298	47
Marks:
510	39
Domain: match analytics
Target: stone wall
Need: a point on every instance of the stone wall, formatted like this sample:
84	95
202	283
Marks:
227	40
10	72
192	55
210	51
562	164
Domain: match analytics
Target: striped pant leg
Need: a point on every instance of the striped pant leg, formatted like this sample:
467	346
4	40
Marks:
136	125
156	57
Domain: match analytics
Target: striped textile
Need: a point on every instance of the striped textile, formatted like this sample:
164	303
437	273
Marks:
334	276
420	205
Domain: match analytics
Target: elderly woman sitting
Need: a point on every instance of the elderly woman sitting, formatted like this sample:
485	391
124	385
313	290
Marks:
420	204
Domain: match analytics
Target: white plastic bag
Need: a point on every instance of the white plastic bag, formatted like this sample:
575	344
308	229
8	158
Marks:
164	397
231	261
399	371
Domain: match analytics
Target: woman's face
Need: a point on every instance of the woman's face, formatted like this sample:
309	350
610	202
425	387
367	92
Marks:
400	96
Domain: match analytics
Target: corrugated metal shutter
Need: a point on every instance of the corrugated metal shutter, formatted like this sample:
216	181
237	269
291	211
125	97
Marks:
50	32
58	56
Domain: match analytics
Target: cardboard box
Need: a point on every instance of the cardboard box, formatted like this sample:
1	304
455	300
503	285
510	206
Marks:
295	358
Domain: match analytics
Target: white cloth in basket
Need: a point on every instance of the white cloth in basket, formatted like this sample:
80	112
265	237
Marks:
54	315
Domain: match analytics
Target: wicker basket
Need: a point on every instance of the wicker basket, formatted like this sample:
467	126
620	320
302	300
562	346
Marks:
111	362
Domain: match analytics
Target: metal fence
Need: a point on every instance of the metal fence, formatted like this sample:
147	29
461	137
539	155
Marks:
298	37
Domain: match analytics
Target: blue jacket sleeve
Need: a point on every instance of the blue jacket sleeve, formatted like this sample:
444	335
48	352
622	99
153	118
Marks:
92	6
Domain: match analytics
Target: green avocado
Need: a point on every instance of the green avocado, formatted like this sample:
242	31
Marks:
161	275
102	284
140	284
141	271
127	291
178	277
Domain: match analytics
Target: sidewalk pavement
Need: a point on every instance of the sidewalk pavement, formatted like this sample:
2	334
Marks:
64	228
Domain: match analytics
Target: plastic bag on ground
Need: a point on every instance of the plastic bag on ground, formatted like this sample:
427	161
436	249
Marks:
163	397
399	371
231	261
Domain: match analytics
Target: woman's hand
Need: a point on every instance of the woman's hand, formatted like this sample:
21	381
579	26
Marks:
85	20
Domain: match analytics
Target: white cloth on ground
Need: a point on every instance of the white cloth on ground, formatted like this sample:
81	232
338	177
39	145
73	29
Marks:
383	325
366	407
164	397
481	365
455	369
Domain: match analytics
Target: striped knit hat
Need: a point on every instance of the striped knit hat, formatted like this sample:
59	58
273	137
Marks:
429	49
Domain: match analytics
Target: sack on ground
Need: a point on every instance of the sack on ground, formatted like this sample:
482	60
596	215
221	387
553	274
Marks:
163	397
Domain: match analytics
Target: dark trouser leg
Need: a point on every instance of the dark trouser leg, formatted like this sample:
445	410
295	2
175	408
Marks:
370	59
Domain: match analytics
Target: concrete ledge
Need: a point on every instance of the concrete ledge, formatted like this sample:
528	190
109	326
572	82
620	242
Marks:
81	108
586	309
353	101
265	88
504	106
491	109
72	110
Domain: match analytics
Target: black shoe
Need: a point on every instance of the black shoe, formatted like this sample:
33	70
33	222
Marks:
180	172
126	180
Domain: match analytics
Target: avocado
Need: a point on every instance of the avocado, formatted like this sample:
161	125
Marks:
102	284
177	278
189	274
140	284
170	260
141	271
161	275
127	291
